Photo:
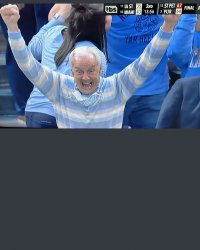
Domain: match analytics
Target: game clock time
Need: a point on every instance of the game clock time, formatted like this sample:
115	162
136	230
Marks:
148	12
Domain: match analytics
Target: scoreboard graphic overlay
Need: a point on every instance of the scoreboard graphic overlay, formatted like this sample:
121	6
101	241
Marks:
152	9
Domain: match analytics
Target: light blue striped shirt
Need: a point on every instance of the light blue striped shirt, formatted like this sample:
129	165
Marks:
102	109
44	46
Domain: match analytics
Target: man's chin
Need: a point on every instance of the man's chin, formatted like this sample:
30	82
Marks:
87	92
84	92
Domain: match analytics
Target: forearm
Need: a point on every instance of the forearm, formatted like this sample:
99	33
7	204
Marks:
13	28
142	68
62	9
135	74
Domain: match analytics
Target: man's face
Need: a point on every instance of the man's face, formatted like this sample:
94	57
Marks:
86	73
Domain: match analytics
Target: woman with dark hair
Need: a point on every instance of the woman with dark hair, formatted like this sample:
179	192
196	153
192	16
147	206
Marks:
85	22
74	26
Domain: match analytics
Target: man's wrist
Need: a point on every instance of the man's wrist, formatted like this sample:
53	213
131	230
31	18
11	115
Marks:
59	19
13	28
167	27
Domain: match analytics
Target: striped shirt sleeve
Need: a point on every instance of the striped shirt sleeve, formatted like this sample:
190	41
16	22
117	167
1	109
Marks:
47	81
134	75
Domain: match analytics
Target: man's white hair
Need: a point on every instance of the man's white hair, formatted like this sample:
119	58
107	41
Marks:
85	51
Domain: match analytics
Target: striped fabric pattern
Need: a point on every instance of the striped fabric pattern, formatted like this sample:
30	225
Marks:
44	46
113	91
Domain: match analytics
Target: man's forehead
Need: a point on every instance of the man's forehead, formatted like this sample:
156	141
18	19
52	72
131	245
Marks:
83	57
87	60
87	56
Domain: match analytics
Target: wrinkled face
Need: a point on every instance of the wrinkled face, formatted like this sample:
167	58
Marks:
86	72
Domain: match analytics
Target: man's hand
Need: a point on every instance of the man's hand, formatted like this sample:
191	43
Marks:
10	15
62	9
169	22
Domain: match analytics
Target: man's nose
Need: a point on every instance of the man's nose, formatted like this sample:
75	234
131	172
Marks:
85	76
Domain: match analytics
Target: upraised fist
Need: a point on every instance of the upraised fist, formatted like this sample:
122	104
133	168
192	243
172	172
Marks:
10	16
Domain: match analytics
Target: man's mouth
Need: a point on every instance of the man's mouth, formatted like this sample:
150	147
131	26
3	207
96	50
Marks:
87	85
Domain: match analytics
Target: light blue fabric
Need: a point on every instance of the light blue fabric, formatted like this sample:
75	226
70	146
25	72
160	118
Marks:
116	89
184	49
86	100
44	46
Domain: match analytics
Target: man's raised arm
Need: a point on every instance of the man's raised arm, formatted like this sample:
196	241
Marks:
43	78
134	75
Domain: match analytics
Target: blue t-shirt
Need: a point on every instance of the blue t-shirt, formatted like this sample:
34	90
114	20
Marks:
127	39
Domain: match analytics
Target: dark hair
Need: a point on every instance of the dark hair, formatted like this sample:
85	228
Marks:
85	22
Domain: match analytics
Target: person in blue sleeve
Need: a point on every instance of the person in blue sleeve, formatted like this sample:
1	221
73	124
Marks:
181	107
184	48
127	38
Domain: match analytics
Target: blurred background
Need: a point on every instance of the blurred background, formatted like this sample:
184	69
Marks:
8	114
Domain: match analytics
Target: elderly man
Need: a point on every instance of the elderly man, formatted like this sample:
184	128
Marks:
86	100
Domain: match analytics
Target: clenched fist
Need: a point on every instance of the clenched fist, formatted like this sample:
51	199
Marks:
10	16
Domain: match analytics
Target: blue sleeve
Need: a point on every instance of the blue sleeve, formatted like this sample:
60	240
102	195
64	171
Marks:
180	48
47	81
169	112
37	42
